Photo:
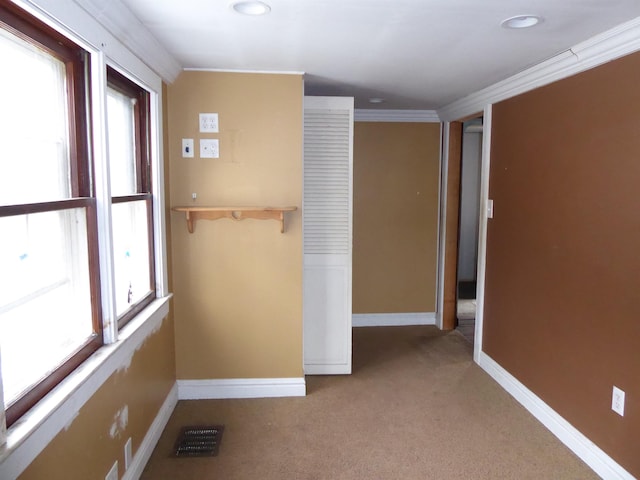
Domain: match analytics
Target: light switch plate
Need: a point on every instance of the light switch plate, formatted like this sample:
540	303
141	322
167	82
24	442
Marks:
187	148
208	123
489	208
209	148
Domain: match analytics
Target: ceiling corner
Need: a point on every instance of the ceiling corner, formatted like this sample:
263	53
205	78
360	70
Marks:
125	26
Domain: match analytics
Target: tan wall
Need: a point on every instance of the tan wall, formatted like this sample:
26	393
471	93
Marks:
563	267
395	218
238	284
86	448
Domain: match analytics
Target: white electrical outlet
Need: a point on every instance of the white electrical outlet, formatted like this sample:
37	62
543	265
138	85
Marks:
127	454
187	148
209	148
617	401
113	473
208	123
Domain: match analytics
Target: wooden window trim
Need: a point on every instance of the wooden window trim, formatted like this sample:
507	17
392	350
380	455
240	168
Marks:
142	114
32	31
42	36
22	404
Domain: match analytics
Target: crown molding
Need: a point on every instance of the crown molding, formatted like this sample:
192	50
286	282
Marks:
123	24
614	43
378	115
236	70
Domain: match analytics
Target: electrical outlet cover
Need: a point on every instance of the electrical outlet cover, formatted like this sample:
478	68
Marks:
617	401
209	148
208	123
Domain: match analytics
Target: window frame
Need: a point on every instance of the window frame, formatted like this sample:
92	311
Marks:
77	68
30	436
143	171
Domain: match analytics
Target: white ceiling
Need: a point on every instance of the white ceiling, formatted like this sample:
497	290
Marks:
416	54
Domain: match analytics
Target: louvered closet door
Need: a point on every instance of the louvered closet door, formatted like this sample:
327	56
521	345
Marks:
327	230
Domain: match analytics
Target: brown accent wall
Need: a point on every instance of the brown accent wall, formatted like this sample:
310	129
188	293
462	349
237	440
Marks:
395	217
563	261
87	449
238	284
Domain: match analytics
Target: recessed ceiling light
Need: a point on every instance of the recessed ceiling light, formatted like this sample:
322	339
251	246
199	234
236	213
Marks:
376	100
521	21
251	8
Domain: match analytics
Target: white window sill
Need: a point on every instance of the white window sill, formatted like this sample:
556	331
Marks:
32	433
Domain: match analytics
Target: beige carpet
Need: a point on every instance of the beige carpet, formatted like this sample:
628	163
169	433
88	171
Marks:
416	407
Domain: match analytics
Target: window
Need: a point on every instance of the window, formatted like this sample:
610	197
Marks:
54	228
50	316
130	176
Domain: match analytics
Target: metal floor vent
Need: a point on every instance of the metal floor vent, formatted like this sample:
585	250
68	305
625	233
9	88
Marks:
200	441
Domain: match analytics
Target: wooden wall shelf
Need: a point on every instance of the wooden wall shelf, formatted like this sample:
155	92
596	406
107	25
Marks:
234	213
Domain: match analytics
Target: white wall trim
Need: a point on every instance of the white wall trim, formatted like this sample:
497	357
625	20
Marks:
602	48
144	451
116	17
393	319
584	448
442	221
483	225
55	412
408	116
240	70
207	389
439	284
76	23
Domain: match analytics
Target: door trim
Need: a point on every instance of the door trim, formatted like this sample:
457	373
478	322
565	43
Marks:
448	225
483	224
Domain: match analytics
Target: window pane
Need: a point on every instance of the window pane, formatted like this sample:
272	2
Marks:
121	125
131	253
34	153
45	300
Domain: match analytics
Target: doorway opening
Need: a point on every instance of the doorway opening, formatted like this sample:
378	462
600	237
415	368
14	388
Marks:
468	228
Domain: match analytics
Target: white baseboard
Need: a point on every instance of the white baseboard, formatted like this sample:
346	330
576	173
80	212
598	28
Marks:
143	453
393	319
598	460
241	388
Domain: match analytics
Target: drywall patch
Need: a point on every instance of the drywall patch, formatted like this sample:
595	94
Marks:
67	425
120	422
127	363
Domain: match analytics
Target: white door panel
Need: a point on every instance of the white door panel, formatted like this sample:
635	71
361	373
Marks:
325	310
327	232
